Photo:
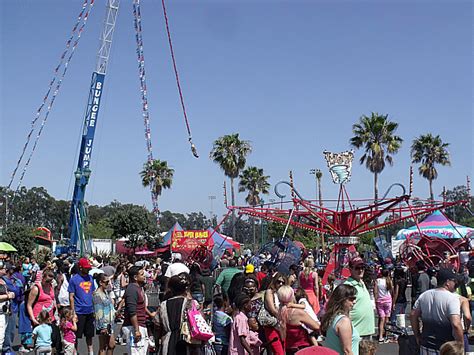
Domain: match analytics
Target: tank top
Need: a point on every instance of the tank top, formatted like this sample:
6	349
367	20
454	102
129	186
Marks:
382	287
307	283
45	301
296	337
332	339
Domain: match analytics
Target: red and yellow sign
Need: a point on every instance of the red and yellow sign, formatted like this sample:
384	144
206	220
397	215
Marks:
188	240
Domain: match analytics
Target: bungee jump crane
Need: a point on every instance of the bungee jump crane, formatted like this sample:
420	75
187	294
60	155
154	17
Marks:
78	242
82	174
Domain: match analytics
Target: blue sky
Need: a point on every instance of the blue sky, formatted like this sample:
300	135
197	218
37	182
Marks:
289	76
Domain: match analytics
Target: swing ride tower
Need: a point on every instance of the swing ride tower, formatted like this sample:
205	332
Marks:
78	241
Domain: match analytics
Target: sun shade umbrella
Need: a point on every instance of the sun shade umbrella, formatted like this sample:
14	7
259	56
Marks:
4	246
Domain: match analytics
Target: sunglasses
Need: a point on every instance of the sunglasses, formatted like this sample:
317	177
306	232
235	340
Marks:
280	282
351	299
358	268
106	282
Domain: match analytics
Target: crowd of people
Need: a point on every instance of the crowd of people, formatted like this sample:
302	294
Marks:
156	306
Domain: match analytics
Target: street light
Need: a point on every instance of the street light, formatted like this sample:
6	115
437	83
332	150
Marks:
212	198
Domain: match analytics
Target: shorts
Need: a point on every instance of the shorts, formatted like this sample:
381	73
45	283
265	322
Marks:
69	348
43	350
85	325
384	308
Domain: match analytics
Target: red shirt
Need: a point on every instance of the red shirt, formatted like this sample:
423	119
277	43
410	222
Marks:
260	276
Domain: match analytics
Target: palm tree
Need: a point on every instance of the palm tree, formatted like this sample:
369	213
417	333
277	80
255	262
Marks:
230	152
319	175
255	182
429	150
158	174
376	134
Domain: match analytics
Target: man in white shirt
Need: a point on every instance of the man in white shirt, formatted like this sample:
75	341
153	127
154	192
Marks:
439	311
177	267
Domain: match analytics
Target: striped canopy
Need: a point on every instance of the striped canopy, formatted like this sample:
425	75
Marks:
436	225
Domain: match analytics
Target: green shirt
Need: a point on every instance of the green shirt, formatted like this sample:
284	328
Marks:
225	277
362	315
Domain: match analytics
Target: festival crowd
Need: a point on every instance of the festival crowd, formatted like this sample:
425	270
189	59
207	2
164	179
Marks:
244	305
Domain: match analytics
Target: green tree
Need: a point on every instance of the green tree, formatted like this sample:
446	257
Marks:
21	237
459	213
196	221
158	174
100	230
243	230
136	224
168	220
376	135
255	182
429	151
230	152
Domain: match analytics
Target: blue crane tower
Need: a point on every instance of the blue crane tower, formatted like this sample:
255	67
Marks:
78	242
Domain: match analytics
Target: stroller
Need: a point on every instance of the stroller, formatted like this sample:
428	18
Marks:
407	344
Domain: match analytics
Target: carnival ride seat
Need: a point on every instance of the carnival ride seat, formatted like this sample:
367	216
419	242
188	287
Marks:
430	250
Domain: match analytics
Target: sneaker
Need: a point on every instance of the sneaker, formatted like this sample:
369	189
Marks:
151	342
23	350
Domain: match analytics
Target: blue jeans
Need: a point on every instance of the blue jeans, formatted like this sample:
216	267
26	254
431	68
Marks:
10	333
199	297
221	349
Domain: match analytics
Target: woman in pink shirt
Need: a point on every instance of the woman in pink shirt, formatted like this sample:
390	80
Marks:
309	281
41	297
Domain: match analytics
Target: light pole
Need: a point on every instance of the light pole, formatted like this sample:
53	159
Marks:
212	198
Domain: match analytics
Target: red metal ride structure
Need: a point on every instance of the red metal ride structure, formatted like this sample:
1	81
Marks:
345	220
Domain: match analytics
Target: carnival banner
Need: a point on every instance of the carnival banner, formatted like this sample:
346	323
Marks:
186	241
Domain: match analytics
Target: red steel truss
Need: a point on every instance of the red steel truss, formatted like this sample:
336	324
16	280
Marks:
345	219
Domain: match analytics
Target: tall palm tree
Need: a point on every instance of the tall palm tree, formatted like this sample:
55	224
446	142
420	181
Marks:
429	150
319	175
230	152
253	180
376	134
158	174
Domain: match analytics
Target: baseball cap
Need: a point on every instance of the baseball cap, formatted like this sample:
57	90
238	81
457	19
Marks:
356	261
445	274
84	263
249	269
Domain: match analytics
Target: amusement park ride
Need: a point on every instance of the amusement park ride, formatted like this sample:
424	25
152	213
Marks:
349	219
343	223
